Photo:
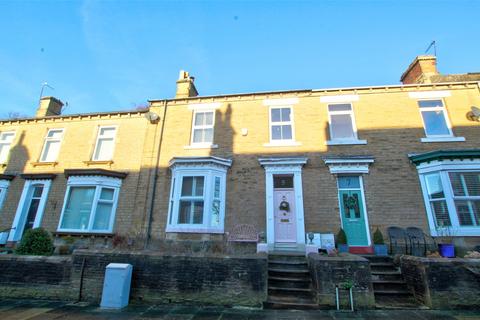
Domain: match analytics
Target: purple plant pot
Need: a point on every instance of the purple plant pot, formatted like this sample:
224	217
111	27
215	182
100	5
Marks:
446	250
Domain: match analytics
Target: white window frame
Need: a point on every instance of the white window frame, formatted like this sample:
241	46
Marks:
202	127
438	137
48	139
20	216
4	161
4	184
291	123
98	182
351	113
98	138
443	168
207	170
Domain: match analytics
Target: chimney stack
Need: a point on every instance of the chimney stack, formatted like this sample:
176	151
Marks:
49	106
185	86
420	70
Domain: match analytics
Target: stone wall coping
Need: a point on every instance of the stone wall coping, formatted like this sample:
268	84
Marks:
4	257
427	260
103	252
347	257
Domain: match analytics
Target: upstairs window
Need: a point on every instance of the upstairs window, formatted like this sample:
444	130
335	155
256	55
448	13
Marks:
51	147
341	122
281	124
202	128
105	144
6	139
435	120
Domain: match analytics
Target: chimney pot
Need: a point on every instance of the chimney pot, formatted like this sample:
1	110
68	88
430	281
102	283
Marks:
185	86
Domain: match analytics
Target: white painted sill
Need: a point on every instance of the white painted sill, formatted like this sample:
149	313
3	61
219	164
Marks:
282	144
194	230
344	142
443	139
201	146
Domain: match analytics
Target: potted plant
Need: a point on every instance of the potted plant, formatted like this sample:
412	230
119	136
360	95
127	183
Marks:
379	245
446	249
341	241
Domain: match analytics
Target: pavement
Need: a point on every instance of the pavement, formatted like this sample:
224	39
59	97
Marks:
47	310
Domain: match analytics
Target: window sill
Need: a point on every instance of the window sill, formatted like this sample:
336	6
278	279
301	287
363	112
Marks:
443	139
459	232
344	142
194	230
282	144
44	164
97	162
201	146
82	234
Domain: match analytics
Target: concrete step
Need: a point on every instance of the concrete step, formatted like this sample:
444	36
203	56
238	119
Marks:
397	302
294	266
290	293
278	302
289	284
392	292
290	279
382	286
282	269
295	261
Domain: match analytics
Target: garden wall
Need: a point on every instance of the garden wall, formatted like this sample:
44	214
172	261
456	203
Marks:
442	283
205	280
329	272
36	277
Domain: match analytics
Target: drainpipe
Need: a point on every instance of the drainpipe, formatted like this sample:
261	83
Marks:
155	178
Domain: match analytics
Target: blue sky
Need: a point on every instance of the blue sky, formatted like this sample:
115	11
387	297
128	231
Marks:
105	55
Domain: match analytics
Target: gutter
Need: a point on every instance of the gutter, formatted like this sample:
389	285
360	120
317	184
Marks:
155	179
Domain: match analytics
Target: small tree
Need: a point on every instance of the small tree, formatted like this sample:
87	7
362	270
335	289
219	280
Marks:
341	237
36	242
378	237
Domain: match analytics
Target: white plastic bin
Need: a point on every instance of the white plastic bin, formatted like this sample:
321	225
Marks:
116	286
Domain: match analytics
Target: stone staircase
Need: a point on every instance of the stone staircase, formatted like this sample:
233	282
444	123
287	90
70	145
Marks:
289	282
389	287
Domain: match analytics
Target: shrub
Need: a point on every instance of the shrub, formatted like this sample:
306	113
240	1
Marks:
341	237
36	242
378	237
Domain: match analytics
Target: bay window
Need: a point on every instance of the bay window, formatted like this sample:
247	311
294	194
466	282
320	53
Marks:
197	196
451	191
90	204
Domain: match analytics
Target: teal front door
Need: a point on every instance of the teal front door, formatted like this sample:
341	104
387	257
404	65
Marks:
352	210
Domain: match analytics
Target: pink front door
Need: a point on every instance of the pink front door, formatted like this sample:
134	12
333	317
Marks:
285	218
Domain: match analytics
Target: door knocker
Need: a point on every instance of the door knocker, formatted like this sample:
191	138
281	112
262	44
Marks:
351	202
284	205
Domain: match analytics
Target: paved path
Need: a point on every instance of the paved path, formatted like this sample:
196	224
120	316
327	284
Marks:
47	310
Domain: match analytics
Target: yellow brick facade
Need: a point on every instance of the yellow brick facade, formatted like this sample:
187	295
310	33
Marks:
386	117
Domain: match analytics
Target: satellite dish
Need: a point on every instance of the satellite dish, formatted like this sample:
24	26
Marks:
151	116
474	115
476	111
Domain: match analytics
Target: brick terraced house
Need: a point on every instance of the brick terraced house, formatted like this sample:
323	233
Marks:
192	168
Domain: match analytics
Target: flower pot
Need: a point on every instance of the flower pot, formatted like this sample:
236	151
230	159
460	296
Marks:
380	249
446	250
343	248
